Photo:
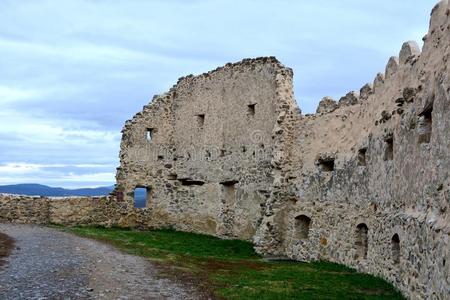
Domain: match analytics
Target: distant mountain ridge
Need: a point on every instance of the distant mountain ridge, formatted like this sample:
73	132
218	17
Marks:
33	189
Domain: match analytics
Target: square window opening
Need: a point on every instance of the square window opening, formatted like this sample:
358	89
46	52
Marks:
326	165
200	120
251	109
142	197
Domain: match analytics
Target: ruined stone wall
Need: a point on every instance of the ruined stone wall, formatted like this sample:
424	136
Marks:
363	182
24	209
208	164
368	180
97	211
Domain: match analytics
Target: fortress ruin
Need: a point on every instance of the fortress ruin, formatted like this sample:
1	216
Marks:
363	182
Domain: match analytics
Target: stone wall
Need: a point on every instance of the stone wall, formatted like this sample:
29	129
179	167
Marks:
368	176
363	182
102	211
207	162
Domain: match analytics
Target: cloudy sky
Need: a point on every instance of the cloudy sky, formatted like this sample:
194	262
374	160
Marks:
73	71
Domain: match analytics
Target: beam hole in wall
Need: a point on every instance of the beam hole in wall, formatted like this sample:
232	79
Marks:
361	243
424	125
362	157
172	176
190	182
395	245
149	134
389	148
326	164
200	120
302	226
251	109
142	197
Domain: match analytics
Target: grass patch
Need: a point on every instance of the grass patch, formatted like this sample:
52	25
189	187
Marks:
231	269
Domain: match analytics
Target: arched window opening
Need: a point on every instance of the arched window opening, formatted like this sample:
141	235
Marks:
395	243
361	241
302	226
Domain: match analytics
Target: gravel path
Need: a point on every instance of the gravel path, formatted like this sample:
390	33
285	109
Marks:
49	264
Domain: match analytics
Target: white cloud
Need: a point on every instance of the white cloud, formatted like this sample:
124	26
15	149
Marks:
23	167
105	177
18	168
34	129
66	175
14	94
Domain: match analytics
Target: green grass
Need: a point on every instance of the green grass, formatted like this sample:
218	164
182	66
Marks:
232	270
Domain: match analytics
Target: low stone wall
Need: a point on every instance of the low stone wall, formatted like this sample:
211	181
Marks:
102	211
97	211
24	209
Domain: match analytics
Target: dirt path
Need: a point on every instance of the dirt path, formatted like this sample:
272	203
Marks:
48	264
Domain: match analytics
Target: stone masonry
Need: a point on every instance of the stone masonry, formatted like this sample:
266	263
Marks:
363	182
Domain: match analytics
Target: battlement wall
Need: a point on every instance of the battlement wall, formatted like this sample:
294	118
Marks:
367	181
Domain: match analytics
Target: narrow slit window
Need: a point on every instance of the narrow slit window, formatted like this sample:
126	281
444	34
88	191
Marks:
149	135
200	120
362	241
425	126
395	242
251	109
142	197
389	149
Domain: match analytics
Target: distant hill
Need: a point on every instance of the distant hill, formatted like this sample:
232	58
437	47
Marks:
33	189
